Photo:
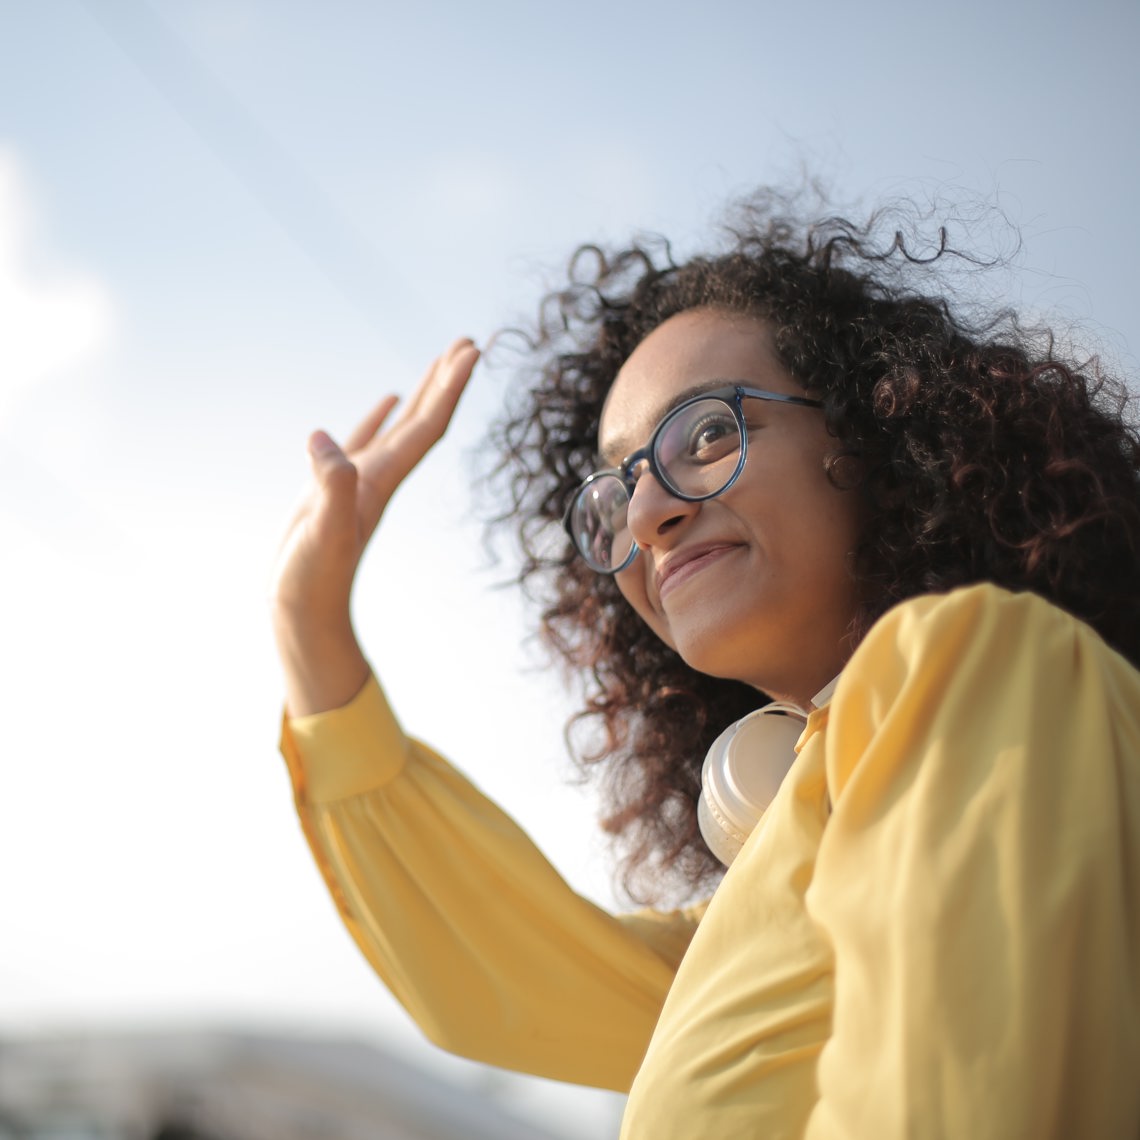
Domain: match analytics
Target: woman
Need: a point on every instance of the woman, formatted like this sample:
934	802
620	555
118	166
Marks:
784	473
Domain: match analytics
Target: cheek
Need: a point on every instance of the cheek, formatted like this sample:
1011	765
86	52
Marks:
828	512
632	587
846	512
631	583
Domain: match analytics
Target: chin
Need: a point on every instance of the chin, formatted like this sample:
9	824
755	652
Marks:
739	652
716	658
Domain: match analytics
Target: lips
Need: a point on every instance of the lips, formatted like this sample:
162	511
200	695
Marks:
683	564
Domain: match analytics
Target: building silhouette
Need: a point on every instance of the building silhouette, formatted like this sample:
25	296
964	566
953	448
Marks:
235	1086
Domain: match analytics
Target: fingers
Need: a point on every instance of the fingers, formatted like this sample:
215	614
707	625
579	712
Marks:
438	392
371	424
442	384
356	483
448	381
390	455
435	399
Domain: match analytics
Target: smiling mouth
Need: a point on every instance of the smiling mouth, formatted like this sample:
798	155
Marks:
678	575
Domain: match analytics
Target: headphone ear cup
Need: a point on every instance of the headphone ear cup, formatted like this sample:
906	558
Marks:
721	838
742	774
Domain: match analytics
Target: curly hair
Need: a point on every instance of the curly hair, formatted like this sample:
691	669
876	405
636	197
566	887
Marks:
983	456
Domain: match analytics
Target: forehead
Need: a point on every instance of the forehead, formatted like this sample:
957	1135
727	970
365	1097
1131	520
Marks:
692	350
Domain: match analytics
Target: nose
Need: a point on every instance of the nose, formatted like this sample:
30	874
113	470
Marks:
654	512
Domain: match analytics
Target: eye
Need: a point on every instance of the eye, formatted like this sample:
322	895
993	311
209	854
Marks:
712	436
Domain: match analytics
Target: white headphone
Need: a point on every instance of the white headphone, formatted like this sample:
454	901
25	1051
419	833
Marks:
744	769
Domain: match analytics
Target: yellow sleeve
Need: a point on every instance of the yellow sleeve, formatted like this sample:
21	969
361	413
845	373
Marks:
979	878
480	939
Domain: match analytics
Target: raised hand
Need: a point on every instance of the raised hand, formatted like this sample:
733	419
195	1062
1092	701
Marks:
317	563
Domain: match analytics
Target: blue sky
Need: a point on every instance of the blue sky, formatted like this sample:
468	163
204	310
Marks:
223	224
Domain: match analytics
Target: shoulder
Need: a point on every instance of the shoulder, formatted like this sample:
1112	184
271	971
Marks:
979	669
970	630
981	611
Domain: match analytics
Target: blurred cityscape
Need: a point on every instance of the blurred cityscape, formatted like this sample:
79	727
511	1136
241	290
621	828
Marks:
233	1086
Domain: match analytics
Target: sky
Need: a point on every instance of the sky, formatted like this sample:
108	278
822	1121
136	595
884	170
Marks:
224	223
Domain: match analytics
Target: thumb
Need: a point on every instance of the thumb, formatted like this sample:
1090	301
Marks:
336	478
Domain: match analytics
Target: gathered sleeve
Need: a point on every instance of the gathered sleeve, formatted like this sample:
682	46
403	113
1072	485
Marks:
490	951
979	878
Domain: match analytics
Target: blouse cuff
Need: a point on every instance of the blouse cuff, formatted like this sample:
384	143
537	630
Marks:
347	751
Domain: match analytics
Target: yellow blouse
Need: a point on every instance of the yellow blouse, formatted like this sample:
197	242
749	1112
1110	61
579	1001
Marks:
934	930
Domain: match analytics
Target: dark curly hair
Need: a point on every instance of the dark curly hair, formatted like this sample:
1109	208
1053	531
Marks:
983	456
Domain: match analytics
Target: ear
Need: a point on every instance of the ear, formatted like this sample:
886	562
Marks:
845	470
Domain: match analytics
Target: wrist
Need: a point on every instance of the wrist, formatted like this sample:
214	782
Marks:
323	663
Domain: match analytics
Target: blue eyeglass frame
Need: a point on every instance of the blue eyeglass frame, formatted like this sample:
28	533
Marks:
732	394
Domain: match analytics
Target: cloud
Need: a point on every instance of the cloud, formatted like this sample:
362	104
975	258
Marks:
51	319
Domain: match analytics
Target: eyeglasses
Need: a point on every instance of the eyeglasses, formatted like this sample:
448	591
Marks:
696	452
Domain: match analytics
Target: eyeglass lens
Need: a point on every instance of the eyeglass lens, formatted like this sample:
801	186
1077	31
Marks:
697	453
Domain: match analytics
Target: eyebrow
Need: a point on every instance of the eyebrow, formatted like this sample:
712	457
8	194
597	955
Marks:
623	445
